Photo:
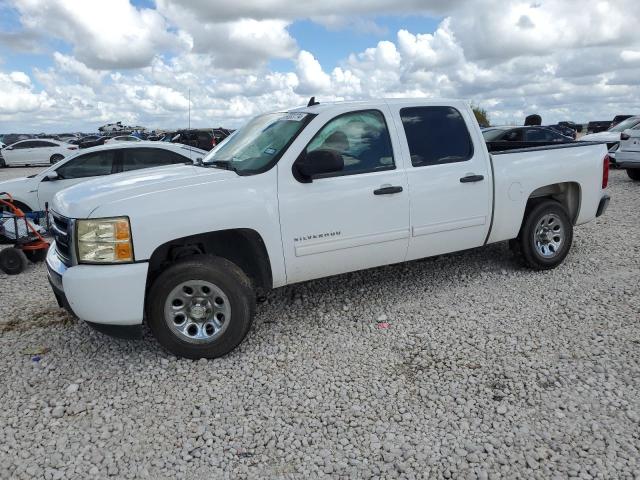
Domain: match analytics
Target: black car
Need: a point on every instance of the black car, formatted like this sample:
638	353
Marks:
564	130
598	126
576	126
508	138
91	141
203	138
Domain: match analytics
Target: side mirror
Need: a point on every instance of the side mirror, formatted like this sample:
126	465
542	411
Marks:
51	176
318	162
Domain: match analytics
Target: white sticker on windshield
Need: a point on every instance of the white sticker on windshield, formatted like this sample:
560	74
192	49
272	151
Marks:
270	151
294	116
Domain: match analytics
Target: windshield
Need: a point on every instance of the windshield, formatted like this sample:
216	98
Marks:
260	143
628	123
492	134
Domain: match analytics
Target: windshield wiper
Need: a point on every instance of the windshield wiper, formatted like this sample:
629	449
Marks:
224	164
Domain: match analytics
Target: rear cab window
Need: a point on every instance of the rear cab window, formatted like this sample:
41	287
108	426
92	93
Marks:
436	135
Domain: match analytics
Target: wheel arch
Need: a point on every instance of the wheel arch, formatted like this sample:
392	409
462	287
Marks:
243	247
568	194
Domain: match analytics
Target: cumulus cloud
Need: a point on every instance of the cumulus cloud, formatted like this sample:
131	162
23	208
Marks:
17	95
512	57
104	35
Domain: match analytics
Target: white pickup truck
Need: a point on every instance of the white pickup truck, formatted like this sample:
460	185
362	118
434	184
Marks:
303	194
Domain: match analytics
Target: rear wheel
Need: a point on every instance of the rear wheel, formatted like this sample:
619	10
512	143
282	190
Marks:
3	164
201	307
546	236
12	261
634	173
56	158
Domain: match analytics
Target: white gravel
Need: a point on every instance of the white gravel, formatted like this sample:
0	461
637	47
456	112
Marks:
486	370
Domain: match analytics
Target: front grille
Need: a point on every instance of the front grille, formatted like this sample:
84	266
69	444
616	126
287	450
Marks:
62	227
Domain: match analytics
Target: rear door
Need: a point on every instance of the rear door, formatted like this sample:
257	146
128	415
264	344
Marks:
449	180
78	169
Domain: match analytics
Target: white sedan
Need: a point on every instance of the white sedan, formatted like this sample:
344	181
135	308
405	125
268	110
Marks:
123	138
34	192
36	151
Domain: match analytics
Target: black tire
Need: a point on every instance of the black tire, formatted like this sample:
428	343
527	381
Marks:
36	256
12	261
55	158
226	276
3	164
634	173
529	250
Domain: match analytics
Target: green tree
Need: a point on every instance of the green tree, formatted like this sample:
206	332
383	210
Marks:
481	115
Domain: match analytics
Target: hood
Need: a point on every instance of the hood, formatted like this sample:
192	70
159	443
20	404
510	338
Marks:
82	199
601	137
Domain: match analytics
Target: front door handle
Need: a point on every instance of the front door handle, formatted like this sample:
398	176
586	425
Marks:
472	178
387	190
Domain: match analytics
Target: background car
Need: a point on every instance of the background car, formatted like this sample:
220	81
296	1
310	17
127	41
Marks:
91	141
122	138
34	192
36	152
612	136
507	138
564	130
619	118
2	164
628	153
204	138
575	126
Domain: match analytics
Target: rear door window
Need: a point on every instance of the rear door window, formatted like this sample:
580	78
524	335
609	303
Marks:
436	135
93	164
137	158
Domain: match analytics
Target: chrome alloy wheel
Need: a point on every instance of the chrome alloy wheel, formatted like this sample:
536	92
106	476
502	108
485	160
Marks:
549	235
197	311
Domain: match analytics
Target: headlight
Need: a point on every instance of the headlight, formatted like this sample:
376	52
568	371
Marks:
104	240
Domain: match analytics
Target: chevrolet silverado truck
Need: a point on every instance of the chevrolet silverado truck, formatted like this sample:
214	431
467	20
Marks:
303	194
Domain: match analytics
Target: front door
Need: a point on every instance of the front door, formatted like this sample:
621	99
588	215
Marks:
352	219
78	169
449	180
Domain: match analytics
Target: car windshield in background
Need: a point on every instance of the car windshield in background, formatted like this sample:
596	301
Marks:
259	144
624	125
492	134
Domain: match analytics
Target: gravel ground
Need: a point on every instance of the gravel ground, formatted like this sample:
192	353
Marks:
487	370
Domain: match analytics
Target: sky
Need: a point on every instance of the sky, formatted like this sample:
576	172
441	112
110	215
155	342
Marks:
73	65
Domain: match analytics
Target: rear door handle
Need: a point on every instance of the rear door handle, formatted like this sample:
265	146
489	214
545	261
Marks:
387	190
472	178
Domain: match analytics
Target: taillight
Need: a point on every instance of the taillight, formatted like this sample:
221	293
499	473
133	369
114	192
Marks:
605	171
213	142
624	136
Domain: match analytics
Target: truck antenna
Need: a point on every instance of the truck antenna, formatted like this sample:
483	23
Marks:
312	102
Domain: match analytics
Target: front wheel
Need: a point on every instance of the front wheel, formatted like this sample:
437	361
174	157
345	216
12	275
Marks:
634	173
546	236
201	307
55	158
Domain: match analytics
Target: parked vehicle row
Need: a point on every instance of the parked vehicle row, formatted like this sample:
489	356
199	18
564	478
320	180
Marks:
36	191
303	194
